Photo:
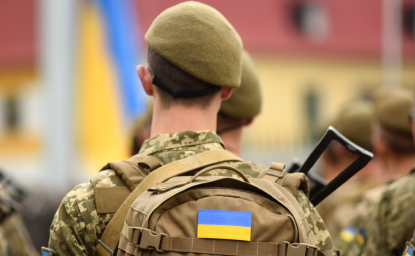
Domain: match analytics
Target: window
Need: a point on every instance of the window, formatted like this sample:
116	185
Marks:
310	19
408	19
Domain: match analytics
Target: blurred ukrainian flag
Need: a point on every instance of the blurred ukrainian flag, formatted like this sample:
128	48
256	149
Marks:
109	92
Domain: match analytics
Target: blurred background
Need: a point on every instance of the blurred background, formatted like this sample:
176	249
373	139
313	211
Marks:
69	93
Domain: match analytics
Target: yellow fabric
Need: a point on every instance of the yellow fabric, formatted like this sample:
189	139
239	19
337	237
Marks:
224	232
99	125
112	232
347	236
360	239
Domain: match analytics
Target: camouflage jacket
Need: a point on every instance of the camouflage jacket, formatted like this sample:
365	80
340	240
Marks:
390	223
14	238
77	226
410	247
340	208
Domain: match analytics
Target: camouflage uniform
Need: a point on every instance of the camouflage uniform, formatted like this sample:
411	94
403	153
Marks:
77	226
16	241
340	209
390	223
354	215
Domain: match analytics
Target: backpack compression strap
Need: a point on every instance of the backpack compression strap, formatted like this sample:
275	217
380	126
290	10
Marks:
290	181
146	239
109	240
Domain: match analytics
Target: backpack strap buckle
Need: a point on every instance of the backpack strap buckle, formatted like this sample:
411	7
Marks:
149	239
301	249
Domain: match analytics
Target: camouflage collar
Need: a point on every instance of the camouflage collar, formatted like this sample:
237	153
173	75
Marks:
177	140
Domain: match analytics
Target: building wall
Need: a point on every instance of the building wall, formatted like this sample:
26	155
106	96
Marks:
284	126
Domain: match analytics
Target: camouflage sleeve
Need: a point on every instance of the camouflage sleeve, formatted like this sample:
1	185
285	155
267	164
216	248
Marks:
391	222
367	240
3	244
17	237
317	226
74	227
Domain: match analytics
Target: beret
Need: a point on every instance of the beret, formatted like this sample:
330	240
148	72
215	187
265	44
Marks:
354	121
392	107
200	41
246	100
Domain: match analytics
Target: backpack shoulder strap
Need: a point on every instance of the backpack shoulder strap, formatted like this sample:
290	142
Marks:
109	240
132	171
289	181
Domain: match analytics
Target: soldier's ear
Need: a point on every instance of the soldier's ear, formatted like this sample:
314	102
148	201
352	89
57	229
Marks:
226	93
146	79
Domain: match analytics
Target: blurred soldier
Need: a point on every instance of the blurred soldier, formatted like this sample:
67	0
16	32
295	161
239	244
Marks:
390	223
14	237
392	138
142	129
241	108
194	59
355	122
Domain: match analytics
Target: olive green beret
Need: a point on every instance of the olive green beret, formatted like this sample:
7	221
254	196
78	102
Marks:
355	122
246	100
197	39
392	108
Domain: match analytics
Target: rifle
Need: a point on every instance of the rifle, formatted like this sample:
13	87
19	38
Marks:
318	195
315	182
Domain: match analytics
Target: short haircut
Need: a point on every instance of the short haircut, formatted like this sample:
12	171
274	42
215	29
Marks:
178	80
398	141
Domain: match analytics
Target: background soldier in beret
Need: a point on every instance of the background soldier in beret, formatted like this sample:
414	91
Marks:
354	121
241	108
141	129
14	237
390	222
392	138
194	58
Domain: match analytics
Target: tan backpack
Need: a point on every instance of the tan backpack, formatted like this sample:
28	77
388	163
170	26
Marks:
215	215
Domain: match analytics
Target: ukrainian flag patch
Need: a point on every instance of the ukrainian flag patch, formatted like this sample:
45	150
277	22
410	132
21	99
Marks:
361	237
219	224
409	251
348	234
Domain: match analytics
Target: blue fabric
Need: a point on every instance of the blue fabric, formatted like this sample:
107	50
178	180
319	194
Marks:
410	251
123	37
227	218
45	253
350	230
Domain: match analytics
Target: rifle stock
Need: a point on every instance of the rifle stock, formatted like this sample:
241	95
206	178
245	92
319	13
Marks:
365	156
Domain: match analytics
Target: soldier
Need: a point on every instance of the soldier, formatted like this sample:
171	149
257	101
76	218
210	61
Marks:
241	108
355	122
390	222
141	130
14	237
392	137
194	58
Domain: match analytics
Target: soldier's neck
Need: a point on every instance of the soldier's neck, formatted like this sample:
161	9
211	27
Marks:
232	140
396	168
179	118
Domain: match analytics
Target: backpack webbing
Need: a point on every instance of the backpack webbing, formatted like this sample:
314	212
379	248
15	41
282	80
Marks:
112	232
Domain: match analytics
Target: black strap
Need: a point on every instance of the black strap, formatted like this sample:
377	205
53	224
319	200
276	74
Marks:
183	94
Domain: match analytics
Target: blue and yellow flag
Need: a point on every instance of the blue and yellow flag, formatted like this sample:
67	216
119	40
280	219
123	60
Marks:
361	237
348	233
409	251
219	224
